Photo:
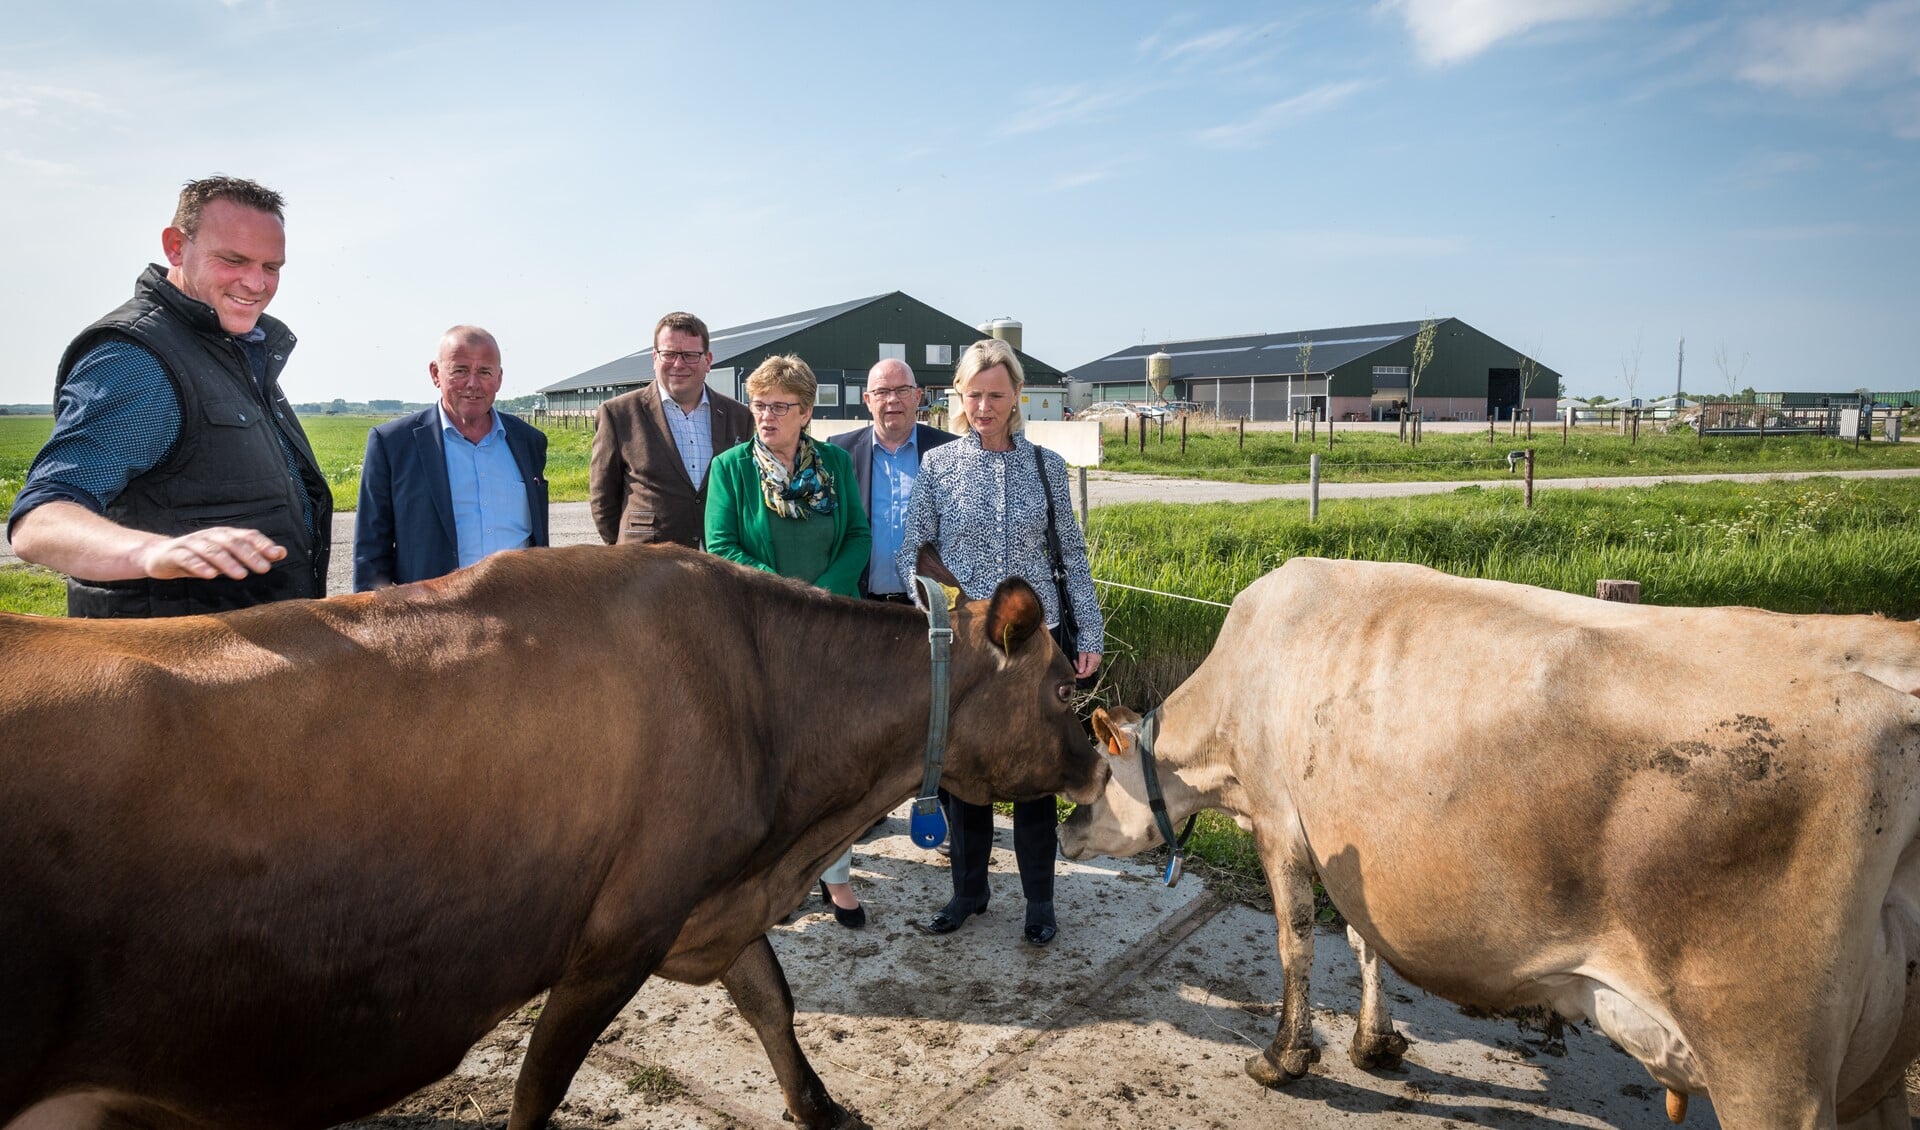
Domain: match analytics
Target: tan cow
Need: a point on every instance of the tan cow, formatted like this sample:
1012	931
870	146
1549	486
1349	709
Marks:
1697	828
283	866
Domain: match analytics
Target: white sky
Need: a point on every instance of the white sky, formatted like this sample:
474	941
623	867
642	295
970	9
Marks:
1591	178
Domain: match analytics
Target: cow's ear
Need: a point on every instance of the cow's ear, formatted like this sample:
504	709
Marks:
1013	614
1115	730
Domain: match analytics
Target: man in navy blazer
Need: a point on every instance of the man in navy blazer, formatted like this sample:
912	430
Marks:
892	445
441	489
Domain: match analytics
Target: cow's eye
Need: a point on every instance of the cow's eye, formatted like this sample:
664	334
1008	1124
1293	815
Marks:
1064	690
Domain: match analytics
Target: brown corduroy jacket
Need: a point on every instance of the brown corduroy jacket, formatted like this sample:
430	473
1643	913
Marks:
637	484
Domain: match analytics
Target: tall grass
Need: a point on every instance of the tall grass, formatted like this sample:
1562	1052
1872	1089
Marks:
1816	545
1214	452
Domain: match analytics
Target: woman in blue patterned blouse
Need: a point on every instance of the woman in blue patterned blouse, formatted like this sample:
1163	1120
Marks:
979	509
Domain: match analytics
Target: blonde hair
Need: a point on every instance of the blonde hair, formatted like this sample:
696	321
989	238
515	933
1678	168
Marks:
788	374
979	357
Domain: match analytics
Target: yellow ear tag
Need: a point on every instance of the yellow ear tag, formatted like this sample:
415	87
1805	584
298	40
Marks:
954	596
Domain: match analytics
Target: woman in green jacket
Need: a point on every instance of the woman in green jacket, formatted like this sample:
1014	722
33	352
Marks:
787	504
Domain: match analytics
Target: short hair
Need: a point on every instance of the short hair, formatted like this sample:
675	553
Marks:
886	361
687	324
465	334
788	374
195	195
979	357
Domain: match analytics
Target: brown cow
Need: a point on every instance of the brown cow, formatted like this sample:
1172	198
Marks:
284	866
1697	827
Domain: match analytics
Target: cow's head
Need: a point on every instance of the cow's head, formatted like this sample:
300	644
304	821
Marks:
1120	822
1014	735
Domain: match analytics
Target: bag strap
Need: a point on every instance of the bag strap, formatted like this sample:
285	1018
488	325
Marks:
1059	563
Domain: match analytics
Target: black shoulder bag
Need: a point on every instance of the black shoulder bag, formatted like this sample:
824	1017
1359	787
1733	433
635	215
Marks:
1067	635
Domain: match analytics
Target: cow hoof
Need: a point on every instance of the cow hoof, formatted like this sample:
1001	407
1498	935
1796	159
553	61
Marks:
1269	1070
1375	1050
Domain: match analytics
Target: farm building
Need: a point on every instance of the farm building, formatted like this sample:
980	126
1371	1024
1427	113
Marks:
1348	372
839	342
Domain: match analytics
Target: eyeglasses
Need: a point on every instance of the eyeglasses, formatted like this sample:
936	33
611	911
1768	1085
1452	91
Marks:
773	407
684	356
897	392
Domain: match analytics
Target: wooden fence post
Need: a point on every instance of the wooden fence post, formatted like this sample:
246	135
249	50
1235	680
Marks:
1126	435
1183	433
1624	592
1243	432
1083	498
1529	478
1313	485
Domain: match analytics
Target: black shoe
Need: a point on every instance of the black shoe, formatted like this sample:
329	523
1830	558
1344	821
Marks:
949	917
851	919
1040	924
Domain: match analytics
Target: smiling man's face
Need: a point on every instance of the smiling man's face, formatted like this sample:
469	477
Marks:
231	262
467	373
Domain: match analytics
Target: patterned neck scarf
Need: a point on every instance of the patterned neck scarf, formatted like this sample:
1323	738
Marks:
810	487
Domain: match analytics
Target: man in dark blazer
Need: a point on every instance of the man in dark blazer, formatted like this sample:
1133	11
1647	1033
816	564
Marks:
889	450
647	478
441	489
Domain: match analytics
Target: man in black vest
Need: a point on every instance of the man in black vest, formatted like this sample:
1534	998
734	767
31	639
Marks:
177	479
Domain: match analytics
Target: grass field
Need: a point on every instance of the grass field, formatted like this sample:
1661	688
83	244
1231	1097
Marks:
339	443
1357	456
1818	545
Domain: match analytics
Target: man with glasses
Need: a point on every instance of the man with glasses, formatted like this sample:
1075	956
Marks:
647	478
886	460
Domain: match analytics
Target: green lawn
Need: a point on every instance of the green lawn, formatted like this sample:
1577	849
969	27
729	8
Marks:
1814	545
339	443
1356	456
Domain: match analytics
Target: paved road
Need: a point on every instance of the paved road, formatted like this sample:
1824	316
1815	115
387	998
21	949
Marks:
570	525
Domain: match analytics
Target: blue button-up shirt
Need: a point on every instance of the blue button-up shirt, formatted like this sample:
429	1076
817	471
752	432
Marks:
891	480
692	433
490	510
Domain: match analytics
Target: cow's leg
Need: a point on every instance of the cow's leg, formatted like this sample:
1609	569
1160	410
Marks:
1292	1050
759	990
1375	1043
576	1011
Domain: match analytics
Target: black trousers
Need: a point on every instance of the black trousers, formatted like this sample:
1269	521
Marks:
1035	842
1036	837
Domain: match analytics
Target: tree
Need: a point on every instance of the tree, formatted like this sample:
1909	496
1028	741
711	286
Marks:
1422	357
1306	366
1529	369
1630	372
1731	372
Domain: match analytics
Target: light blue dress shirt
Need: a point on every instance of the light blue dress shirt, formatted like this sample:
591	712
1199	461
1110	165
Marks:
692	434
891	482
489	495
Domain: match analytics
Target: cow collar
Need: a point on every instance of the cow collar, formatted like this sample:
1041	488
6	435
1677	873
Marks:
927	825
1157	800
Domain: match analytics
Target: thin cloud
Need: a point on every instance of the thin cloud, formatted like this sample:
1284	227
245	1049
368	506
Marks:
1770	165
1052	107
1220	40
1350	245
1452	31
38	166
1877	45
32	99
1258	128
1068	181
1800	233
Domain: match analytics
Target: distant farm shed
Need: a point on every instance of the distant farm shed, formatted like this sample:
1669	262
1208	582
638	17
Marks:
1352	372
840	343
